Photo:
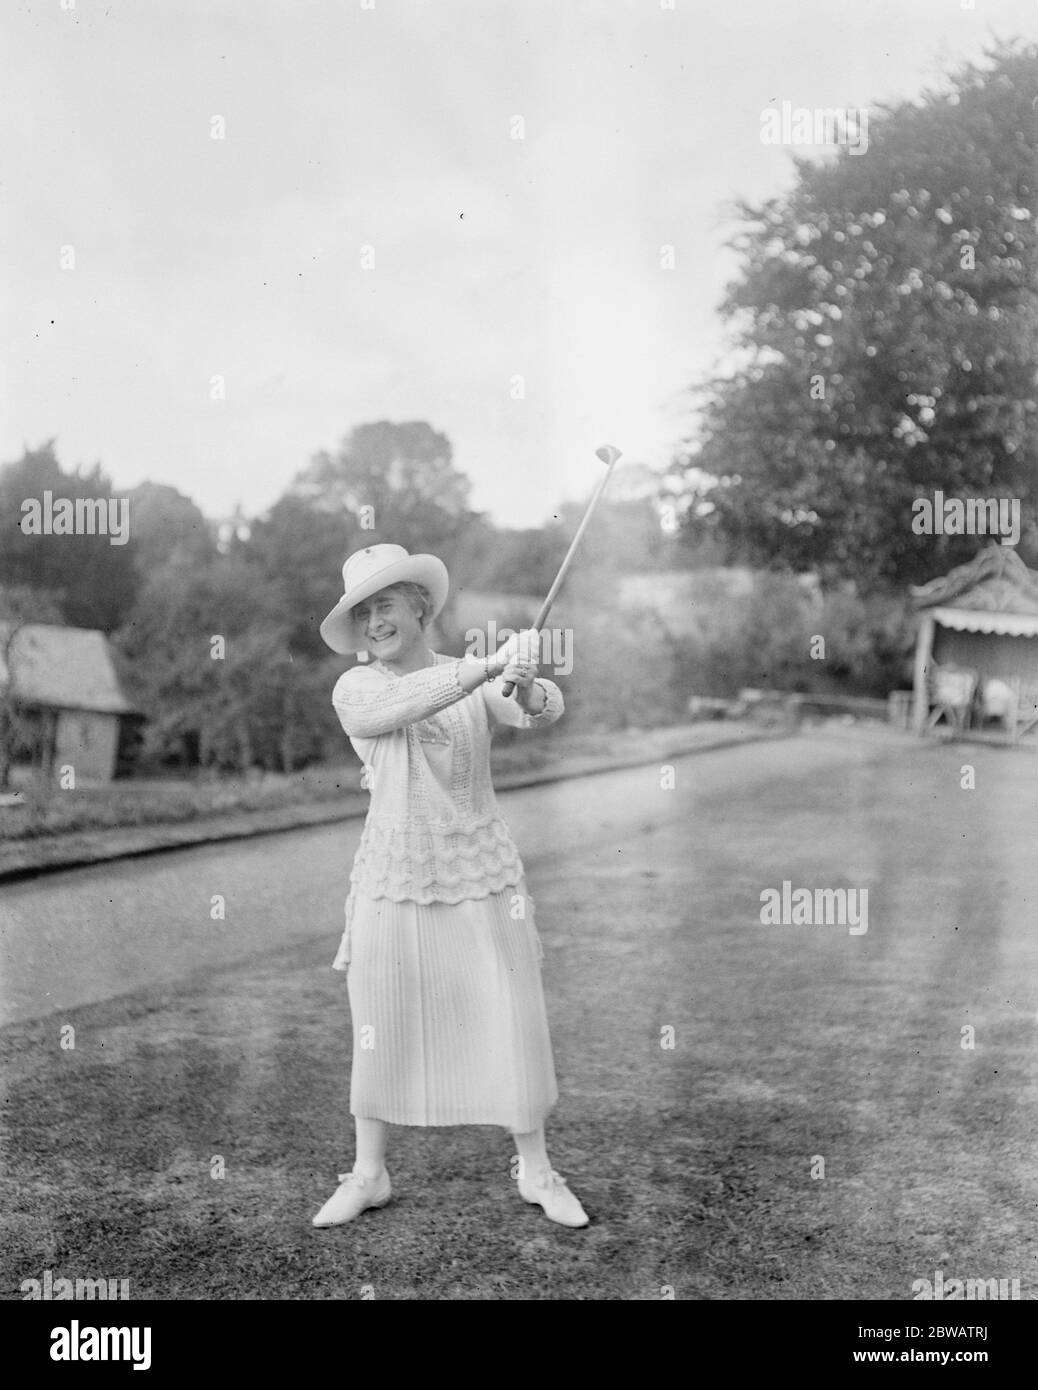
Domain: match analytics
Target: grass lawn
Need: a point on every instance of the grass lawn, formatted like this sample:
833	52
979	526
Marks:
694	1162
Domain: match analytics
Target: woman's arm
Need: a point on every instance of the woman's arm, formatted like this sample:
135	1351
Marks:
507	709
370	703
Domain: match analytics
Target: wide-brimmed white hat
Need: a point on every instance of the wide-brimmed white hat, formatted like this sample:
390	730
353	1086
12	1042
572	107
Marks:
365	573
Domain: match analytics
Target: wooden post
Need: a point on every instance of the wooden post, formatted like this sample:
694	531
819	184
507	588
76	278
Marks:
923	653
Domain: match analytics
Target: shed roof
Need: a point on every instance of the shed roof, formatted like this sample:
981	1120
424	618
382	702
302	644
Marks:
995	581
61	668
979	620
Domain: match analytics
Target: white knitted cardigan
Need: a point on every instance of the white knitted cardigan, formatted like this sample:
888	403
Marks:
434	831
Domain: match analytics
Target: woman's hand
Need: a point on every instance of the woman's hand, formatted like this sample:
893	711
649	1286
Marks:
522	674
521	671
522	648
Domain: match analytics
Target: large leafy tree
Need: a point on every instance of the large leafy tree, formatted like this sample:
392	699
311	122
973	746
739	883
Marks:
886	326
299	547
92	581
386	482
164	523
404	473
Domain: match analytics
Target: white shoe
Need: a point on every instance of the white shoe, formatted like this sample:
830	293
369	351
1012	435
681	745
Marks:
548	1190
354	1194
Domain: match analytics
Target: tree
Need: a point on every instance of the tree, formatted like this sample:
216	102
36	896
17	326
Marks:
19	731
403	473
508	561
623	537
164	523
94	579
886	321
299	547
201	653
392	482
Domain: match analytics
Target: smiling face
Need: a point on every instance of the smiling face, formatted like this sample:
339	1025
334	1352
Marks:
392	628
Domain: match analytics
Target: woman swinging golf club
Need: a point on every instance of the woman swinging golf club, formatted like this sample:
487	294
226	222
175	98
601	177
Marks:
440	947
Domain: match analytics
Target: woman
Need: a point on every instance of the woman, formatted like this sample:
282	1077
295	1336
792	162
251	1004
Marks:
440	947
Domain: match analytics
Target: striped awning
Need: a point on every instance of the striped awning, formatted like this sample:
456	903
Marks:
978	620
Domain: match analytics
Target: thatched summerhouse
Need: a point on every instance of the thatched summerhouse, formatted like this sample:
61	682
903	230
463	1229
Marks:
976	659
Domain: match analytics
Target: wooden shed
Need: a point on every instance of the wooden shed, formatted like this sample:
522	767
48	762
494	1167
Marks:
976	658
66	705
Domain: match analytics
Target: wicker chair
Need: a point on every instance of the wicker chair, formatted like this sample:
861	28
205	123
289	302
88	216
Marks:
950	691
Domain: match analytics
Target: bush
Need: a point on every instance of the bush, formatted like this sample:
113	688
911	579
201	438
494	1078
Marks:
637	668
764	639
625	669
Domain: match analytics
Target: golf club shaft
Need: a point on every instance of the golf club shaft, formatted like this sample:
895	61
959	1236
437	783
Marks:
545	608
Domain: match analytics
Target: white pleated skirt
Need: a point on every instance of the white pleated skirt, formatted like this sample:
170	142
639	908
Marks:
449	1023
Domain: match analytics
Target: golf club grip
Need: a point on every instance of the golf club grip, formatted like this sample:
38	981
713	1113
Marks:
538	623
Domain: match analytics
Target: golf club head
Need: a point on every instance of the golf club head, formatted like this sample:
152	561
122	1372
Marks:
608	453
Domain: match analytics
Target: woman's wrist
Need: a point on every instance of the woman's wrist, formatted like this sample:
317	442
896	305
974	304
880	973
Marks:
480	668
528	698
472	672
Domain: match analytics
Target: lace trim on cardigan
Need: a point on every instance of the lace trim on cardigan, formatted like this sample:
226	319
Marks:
429	864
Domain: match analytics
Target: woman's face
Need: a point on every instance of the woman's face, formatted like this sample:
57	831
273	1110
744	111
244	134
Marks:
390	625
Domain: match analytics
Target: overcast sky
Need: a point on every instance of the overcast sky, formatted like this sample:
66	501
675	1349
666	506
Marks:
391	127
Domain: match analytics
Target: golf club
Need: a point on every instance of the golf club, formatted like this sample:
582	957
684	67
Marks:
609	455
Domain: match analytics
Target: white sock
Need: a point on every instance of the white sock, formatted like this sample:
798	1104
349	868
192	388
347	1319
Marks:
533	1154
371	1147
